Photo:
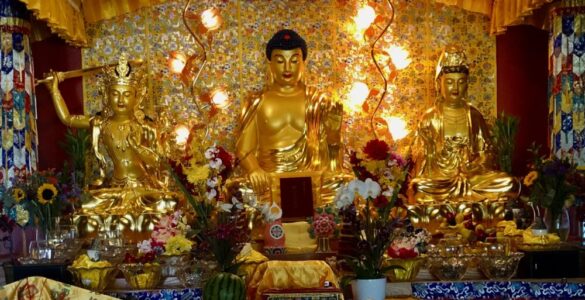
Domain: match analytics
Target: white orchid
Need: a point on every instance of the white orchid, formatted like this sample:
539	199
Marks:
389	192
215	163
354	185
227	207
211	194
212	182
210	152
369	189
271	212
344	197
144	246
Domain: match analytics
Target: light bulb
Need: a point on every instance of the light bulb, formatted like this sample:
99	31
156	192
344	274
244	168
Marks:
211	19
177	62
399	57
181	134
357	95
397	127
220	98
365	17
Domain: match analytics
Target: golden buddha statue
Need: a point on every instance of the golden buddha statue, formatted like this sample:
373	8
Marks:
129	139
290	128
456	165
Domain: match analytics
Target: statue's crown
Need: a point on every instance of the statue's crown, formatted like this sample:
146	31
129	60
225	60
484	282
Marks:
122	73
452	60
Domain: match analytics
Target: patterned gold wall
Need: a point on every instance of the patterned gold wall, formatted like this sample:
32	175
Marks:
336	58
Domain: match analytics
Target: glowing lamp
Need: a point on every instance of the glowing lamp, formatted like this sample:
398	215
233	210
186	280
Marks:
399	57
220	98
181	134
177	62
397	127
211	19
365	17
358	94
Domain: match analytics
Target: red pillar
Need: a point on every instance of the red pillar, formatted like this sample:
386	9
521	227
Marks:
522	71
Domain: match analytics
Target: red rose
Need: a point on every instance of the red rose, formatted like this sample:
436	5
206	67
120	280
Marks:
380	202
377	149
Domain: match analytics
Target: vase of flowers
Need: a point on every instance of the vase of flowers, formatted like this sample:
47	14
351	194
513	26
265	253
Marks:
550	187
406	251
371	205
220	222
323	227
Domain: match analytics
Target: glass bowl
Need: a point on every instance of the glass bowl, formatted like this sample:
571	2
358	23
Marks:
142	276
409	270
196	273
93	278
448	267
500	267
170	264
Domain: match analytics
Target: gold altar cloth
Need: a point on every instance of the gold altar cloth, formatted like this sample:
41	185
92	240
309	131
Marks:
43	288
290	275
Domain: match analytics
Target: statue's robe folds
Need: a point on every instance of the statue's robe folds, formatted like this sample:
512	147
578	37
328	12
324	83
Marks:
310	153
458	168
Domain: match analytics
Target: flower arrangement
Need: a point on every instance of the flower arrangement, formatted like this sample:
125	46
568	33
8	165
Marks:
220	221
167	238
409	242
39	199
324	222
371	205
549	184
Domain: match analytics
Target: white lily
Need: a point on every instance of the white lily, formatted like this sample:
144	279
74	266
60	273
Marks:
369	189
272	213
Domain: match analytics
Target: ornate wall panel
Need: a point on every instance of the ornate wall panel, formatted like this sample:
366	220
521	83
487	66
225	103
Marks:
336	58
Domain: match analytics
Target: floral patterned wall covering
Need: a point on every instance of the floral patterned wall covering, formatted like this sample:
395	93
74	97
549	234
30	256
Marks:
236	60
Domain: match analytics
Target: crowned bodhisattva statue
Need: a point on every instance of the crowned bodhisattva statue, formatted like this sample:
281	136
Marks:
130	141
456	163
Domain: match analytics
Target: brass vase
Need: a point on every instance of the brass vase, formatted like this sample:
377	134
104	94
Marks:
407	269
323	245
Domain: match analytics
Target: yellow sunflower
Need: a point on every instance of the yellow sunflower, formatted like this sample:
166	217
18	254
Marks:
18	194
530	178
46	193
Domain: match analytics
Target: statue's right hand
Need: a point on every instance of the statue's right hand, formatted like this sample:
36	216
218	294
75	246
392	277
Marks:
260	181
56	78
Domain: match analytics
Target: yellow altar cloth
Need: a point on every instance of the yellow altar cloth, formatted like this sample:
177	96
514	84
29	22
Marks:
297	238
290	275
32	288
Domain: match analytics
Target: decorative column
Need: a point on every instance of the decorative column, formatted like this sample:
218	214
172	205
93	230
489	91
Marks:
566	83
18	130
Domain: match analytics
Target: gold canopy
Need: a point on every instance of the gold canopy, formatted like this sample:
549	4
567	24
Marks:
67	18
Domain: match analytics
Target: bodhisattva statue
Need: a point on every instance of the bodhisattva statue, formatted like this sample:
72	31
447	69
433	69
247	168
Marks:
456	164
290	127
130	141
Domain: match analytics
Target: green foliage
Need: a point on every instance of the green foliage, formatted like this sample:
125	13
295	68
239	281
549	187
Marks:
549	182
76	145
503	140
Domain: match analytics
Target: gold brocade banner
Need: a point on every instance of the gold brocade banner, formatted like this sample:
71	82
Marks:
62	18
336	59
97	10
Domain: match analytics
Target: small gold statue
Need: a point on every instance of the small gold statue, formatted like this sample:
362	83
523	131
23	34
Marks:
456	164
290	128
130	141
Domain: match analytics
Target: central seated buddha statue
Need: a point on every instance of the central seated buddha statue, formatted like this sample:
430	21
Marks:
456	164
291	130
123	138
